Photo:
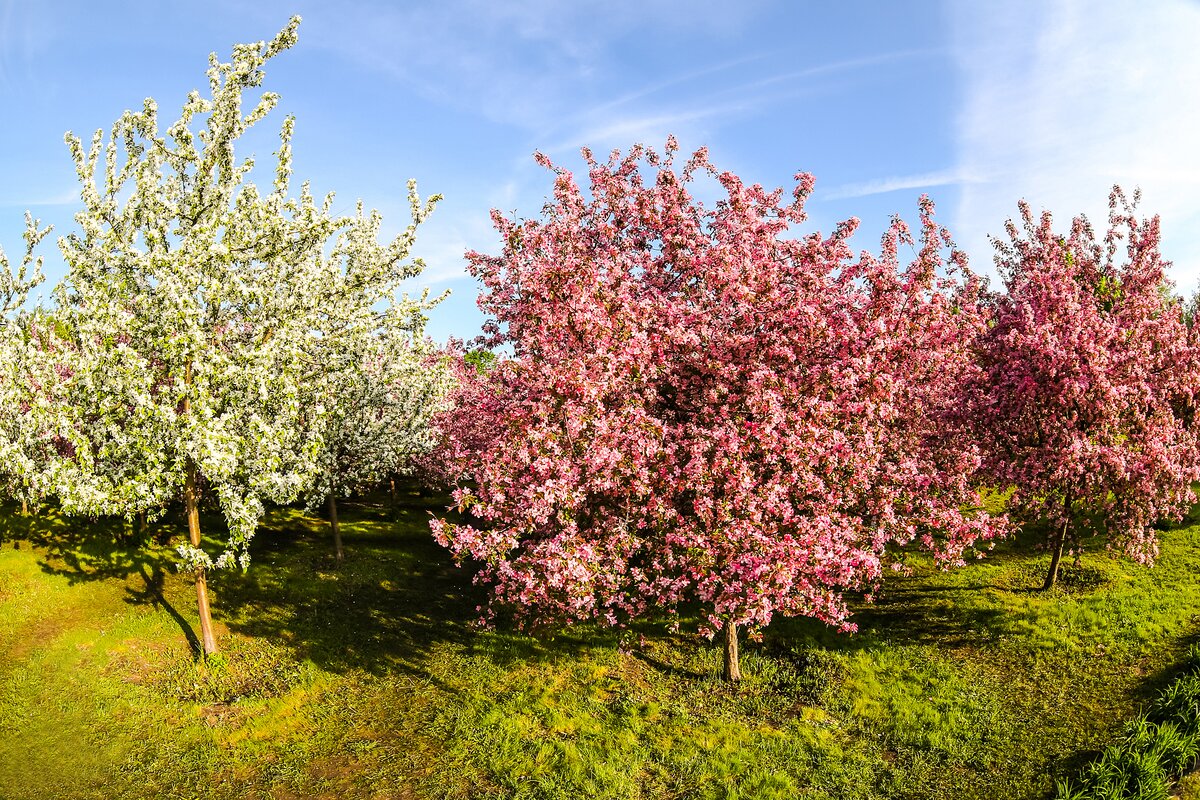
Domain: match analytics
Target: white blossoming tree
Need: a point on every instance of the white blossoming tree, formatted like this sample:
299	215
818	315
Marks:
381	402
25	447
202	311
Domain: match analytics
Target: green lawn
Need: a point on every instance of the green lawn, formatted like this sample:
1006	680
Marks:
370	681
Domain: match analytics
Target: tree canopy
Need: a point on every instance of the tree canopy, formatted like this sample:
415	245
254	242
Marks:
700	409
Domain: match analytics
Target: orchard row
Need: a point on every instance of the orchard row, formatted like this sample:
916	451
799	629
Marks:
689	406
701	410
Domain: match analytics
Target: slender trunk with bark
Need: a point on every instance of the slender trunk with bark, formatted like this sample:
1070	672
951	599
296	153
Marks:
337	531
732	668
24	507
191	503
1059	541
141	520
392	490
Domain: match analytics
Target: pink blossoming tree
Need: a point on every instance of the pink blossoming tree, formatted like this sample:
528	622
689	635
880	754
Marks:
462	426
1088	381
702	411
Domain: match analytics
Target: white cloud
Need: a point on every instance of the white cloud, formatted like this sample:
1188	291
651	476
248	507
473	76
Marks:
650	130
945	177
444	261
625	120
522	64
1063	99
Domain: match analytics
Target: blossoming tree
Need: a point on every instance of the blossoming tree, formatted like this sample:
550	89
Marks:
24	445
381	404
1086	401
462	429
202	309
699	409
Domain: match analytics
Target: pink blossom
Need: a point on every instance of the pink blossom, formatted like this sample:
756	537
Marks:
1086	397
701	408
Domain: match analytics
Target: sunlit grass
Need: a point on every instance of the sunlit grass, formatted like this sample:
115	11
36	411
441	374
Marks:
369	680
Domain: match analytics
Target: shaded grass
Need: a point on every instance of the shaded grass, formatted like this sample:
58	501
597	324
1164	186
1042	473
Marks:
1155	748
370	681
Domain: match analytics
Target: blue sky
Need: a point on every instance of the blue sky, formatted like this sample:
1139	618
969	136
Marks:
978	104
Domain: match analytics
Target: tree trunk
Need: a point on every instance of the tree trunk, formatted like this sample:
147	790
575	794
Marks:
337	531
733	669
192	505
1059	540
141	518
24	507
392	490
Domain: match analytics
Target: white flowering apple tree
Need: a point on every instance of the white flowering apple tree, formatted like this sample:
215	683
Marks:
382	401
24	444
202	310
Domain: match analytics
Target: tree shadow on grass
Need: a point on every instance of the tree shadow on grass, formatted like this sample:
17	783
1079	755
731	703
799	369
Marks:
392	608
906	612
399	599
671	670
396	602
345	620
972	608
152	594
86	550
1153	684
80	549
1141	697
41	527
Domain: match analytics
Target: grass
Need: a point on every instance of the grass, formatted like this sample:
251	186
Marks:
1155	748
370	681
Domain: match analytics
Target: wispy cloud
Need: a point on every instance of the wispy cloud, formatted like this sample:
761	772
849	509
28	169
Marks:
1062	99
597	123
522	64
845	65
945	177
21	36
671	106
649	129
672	82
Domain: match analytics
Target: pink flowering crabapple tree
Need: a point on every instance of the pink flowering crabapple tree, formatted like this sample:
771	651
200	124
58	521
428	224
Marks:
461	429
702	410
202	312
1086	394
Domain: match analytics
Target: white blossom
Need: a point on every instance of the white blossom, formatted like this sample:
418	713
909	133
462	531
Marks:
382	400
200	314
26	435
